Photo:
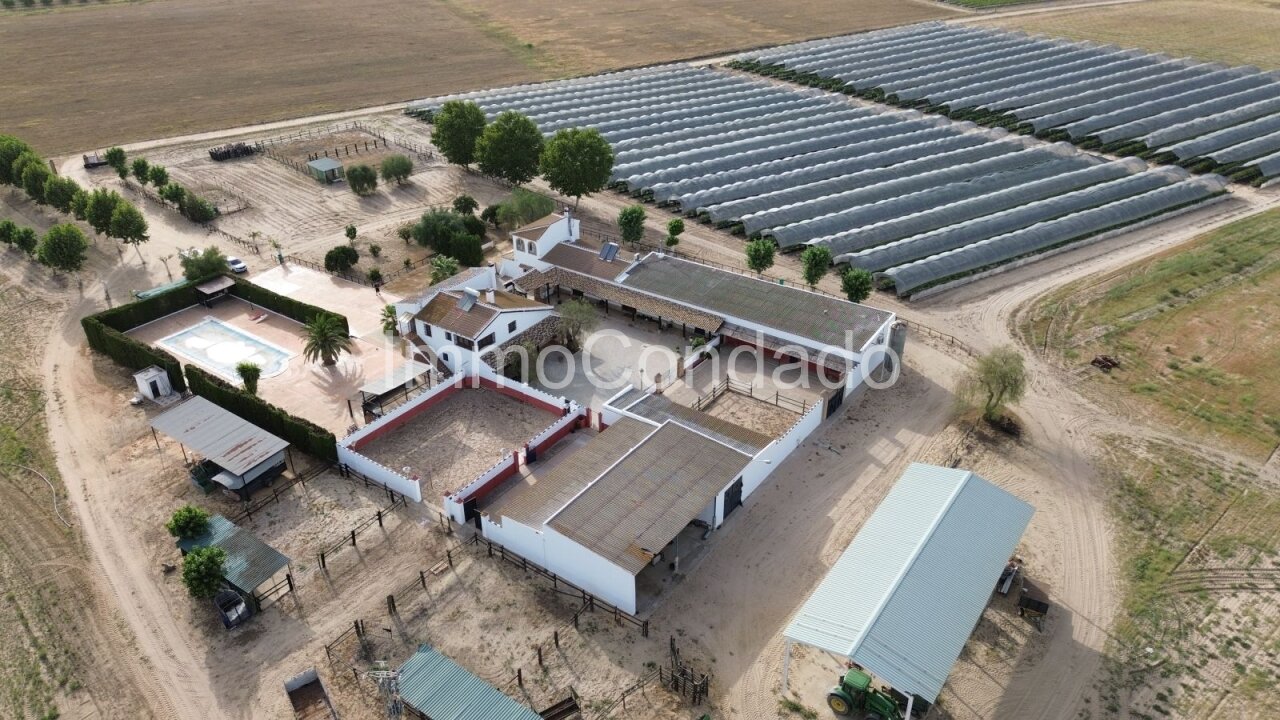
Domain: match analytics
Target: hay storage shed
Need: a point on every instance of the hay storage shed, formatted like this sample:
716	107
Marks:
326	170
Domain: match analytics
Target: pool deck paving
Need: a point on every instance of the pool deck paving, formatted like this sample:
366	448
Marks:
309	390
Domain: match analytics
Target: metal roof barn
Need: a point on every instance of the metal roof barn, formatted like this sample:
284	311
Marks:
908	591
224	438
250	562
441	689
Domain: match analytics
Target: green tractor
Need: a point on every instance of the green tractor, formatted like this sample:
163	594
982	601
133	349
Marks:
854	694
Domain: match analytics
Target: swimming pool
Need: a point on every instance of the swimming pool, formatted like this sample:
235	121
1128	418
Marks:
219	347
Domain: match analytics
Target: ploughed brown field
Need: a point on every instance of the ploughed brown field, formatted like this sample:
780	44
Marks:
123	72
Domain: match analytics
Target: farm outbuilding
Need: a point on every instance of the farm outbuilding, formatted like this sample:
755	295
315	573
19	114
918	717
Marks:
906	594
253	568
433	686
326	170
237	455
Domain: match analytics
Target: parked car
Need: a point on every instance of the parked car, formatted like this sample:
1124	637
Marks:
237	265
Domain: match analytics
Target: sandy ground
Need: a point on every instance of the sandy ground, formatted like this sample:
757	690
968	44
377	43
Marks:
452	442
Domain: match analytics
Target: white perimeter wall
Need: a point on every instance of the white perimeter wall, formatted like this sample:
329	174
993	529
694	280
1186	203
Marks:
775	452
589	571
380	473
518	538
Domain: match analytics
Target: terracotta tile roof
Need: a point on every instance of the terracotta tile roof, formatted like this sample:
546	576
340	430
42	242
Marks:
587	261
535	230
443	312
597	288
822	319
535	503
632	511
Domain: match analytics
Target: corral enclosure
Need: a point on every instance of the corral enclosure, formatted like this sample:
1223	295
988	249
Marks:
920	200
259	62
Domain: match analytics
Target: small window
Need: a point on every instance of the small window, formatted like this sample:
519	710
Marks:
511	326
426	330
533	248
486	341
520	244
444	357
448	336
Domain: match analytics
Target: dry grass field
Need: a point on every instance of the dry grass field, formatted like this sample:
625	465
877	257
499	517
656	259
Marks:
209	64
1195	330
1239	32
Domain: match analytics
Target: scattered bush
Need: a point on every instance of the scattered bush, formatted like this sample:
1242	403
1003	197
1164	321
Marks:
674	227
202	571
397	168
524	207
340	259
436	229
375	249
350	232
187	522
631	223
465	205
249	374
141	170
375	276
405	232
490	215
26	240
209	261
362	179
159	176
197	209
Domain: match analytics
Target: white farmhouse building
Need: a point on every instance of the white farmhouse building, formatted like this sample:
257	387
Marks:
465	316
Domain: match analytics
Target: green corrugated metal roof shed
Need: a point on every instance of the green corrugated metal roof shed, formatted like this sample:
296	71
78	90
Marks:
441	689
250	562
905	596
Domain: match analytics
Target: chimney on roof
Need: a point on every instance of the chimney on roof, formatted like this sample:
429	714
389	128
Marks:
490	296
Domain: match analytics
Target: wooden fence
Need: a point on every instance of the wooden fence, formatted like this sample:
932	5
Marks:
728	384
349	539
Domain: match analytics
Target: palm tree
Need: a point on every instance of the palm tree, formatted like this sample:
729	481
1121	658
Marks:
389	320
326	340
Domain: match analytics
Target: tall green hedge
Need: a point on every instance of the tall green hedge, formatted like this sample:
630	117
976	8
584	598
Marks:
302	434
130	353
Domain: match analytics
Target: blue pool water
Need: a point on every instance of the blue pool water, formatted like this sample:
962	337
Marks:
219	347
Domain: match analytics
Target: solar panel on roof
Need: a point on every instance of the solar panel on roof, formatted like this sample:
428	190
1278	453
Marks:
609	251
468	299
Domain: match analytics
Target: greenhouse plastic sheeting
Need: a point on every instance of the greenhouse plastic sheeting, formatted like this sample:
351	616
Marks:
797	224
759	124
1130	109
1018	93
1109	181
1256	148
972	94
1046	235
787	190
939	92
1258	97
1269	165
1075	102
1229	120
885	151
1152	73
898	73
909	249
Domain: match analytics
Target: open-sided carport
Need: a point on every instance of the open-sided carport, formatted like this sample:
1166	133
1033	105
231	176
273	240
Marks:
908	591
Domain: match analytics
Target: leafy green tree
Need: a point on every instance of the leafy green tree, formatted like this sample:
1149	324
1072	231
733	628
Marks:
577	162
405	232
141	170
34	173
60	192
390	323
117	159
204	263
80	204
174	193
998	379
202	570
577	319
187	522
815	261
474	226
10	149
397	168
457	127
631	223
375	249
63	248
100	209
524	207
326	340
249	374
351	233
26	240
675	226
443	267
856	284
375	276
129	226
509	148
490	215
195	208
159	176
436	229
362	179
466	248
339	259
7	229
465	205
